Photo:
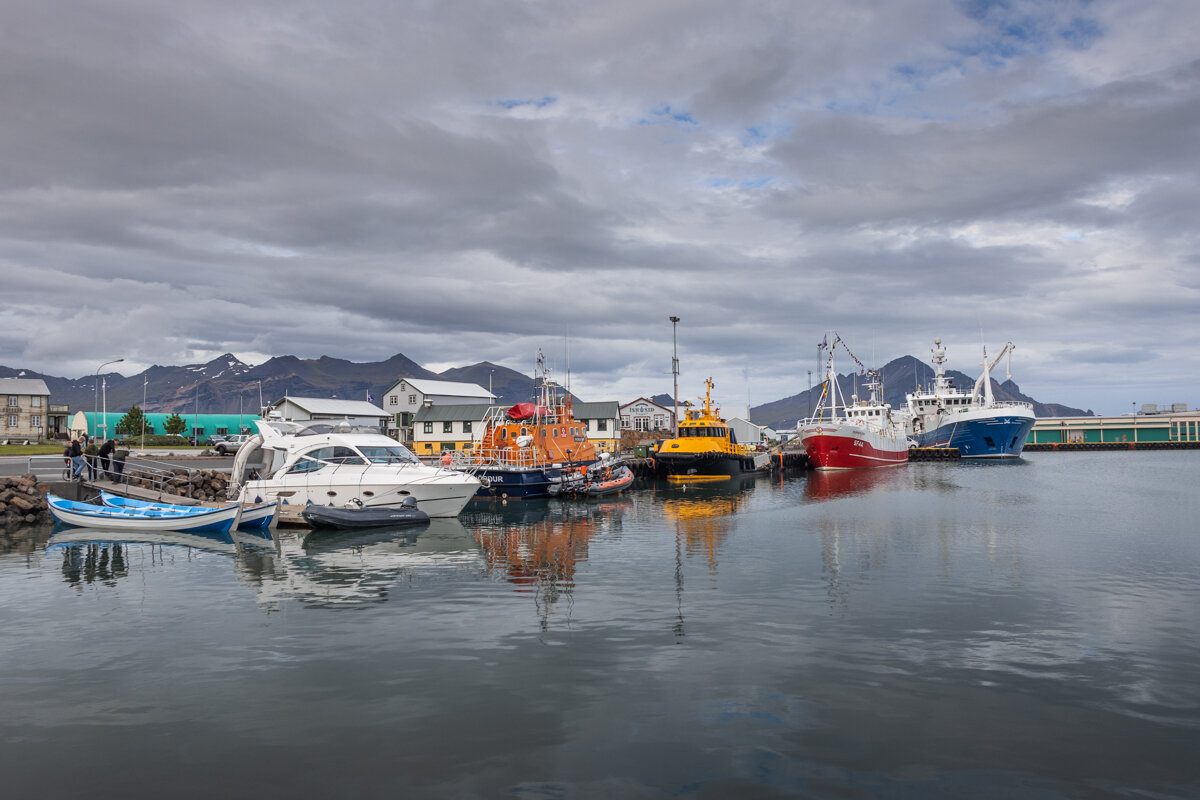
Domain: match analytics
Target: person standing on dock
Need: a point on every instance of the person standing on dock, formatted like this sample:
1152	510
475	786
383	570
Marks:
105	456
77	463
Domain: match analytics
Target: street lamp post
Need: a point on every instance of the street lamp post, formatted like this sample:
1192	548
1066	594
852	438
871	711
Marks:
96	388
145	380
675	370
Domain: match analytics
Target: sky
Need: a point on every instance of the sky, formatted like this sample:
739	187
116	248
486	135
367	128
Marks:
470	181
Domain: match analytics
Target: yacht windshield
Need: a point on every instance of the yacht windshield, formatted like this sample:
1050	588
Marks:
388	454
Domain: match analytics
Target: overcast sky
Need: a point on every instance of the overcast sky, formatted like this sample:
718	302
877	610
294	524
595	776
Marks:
468	181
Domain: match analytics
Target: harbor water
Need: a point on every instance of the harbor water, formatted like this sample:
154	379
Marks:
1027	629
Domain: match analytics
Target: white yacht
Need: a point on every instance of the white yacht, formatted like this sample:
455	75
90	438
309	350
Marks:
338	465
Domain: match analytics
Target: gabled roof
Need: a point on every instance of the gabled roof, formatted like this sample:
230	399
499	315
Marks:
602	409
451	412
341	408
30	386
646	400
452	388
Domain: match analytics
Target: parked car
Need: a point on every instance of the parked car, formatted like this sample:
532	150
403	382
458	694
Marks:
231	443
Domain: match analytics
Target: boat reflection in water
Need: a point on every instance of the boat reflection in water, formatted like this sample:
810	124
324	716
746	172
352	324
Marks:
537	545
702	513
96	555
345	568
830	485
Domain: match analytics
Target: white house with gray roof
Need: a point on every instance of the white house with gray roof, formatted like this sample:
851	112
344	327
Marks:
406	396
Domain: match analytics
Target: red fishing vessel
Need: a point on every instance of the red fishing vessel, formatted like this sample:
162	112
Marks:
857	435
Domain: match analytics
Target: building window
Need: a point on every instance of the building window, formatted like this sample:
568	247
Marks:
36	421
393	400
12	400
601	424
12	420
36	402
429	427
466	426
447	427
222	431
412	399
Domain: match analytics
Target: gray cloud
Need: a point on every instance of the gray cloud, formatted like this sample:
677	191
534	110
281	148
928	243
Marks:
461	182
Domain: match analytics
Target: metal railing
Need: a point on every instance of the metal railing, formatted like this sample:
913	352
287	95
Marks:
149	474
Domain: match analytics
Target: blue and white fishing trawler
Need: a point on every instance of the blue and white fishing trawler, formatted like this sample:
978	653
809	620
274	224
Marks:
974	422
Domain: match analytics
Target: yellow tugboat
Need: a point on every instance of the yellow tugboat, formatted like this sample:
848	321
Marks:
705	447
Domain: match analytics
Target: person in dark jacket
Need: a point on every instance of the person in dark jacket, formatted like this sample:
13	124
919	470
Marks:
77	462
105	454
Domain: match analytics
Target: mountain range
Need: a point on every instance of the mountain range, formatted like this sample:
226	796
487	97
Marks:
226	385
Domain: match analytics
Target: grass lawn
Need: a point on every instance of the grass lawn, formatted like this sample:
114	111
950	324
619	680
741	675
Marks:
44	449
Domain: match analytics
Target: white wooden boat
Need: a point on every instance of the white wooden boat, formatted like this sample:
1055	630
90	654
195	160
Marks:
255	517
86	515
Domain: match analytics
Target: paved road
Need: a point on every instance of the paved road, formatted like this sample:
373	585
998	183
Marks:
48	467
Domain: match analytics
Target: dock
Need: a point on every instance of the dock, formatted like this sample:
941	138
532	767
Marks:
1062	447
933	453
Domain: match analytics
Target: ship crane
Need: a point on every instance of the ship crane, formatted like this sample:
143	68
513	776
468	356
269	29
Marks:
985	380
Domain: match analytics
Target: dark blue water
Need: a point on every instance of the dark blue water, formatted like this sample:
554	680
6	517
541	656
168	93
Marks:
1027	629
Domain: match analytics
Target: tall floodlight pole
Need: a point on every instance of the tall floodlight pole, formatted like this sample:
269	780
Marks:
96	400
145	380
260	403
810	394
675	370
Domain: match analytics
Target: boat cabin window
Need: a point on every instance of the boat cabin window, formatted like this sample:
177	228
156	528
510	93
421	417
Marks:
304	465
719	433
389	454
337	454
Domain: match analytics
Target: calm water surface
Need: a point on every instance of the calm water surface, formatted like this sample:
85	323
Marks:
1026	629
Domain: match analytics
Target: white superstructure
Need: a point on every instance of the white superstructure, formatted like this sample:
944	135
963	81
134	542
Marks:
325	464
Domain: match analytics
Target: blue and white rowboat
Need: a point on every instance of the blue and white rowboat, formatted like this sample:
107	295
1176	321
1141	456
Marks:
86	515
254	518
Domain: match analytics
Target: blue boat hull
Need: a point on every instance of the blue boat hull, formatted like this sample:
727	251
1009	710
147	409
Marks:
516	484
994	437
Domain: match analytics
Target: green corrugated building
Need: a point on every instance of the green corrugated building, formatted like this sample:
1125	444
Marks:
1175	426
205	425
